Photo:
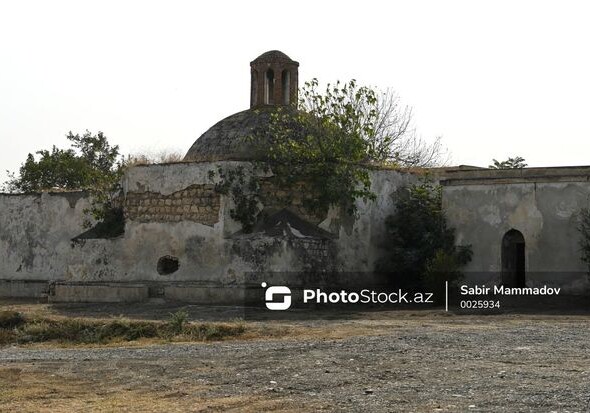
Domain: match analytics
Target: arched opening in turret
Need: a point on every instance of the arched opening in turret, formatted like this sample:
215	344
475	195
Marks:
286	80
254	88
269	87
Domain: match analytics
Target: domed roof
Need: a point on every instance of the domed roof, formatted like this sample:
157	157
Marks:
230	138
273	56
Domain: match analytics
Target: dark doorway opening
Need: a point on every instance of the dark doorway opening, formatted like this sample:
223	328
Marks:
513	259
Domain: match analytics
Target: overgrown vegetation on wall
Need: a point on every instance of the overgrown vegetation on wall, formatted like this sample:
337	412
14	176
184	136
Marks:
421	250
328	142
518	162
91	164
334	136
324	144
244	191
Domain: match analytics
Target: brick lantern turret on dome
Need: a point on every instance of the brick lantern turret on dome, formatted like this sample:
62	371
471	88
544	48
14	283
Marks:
274	80
274	84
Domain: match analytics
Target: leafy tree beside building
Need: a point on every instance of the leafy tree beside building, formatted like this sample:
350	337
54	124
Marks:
420	246
91	162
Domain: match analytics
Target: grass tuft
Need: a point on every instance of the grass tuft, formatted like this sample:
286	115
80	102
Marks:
178	321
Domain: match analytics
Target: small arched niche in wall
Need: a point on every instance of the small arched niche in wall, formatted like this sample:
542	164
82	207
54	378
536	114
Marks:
167	265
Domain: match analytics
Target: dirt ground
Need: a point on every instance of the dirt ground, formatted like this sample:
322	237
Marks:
402	361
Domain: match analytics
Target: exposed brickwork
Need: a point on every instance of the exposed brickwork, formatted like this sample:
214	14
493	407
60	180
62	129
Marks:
198	203
275	199
284	79
317	249
201	203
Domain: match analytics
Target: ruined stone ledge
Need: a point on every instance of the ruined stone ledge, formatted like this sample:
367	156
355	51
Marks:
23	288
516	176
205	294
98	293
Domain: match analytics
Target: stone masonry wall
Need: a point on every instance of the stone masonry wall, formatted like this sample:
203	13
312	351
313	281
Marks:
201	203
174	210
541	203
274	199
198	203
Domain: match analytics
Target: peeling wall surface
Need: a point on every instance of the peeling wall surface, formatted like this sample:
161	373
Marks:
173	210
542	203
35	234
174	214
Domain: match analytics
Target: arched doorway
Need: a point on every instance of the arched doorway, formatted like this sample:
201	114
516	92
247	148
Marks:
513	259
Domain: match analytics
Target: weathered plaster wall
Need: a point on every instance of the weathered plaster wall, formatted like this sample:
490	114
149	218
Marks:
216	251
174	210
35	233
361	241
546	214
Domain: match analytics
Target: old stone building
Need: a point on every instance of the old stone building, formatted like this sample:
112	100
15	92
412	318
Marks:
181	241
521	223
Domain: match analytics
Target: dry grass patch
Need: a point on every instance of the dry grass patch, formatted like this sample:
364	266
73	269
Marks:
16	328
29	391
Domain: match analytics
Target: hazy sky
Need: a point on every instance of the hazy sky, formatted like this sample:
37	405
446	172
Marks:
494	79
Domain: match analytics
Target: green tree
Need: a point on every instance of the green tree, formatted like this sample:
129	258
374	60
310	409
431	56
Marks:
55	169
91	163
334	136
324	144
511	163
421	246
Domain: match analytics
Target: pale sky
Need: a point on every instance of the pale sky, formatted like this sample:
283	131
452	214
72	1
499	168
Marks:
494	79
